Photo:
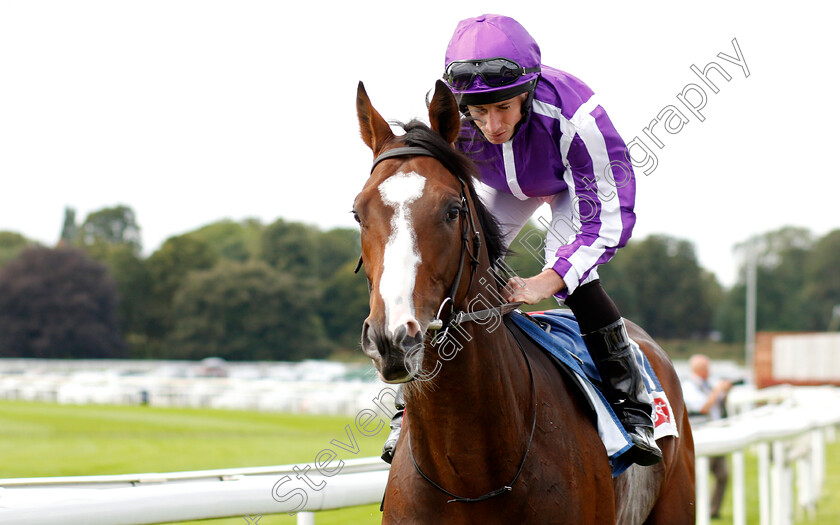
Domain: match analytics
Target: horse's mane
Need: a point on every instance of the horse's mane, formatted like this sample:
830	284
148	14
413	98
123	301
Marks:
419	134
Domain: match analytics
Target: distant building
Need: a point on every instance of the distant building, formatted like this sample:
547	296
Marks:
797	358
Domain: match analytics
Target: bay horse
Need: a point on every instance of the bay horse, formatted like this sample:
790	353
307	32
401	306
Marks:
493	431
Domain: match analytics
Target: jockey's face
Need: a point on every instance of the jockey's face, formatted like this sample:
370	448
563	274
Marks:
498	121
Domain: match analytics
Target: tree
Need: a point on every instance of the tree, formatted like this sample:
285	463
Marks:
11	244
336	248
292	248
730	317
243	311
69	230
117	225
782	258
822	273
112	236
133	284
658	283
57	303
345	305
167	269
235	241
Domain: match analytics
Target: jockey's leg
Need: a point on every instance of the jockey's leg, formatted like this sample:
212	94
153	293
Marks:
606	338
396	425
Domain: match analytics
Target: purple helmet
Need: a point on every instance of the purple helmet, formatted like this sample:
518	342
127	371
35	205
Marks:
491	58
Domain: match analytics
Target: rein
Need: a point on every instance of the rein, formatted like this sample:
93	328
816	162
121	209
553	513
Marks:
454	317
505	488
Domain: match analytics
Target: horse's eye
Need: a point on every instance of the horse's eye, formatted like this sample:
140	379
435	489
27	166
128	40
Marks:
453	214
356	217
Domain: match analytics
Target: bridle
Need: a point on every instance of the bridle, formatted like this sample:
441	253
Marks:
469	236
455	316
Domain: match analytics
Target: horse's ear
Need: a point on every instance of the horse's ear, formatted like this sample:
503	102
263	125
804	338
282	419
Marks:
375	131
443	113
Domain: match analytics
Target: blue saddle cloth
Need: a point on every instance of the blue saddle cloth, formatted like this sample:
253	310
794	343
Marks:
558	334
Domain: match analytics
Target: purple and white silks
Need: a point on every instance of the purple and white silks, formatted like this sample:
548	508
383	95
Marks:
566	153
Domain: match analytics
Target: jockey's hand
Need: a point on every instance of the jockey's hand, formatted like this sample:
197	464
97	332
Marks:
534	289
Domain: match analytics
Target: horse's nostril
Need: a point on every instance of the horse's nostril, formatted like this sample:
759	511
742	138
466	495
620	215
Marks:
412	328
407	336
366	339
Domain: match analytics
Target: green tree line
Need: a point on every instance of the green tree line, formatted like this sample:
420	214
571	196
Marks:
236	290
286	291
658	282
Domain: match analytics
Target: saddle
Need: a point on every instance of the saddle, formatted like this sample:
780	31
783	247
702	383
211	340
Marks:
557	334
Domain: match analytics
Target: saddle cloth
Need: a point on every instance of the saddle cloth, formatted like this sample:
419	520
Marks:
558	334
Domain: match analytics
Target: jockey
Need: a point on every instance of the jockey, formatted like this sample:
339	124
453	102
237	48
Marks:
538	135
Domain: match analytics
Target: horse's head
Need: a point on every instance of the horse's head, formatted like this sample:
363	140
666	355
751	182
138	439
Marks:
415	212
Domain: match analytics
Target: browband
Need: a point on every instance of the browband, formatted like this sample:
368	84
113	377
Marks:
404	151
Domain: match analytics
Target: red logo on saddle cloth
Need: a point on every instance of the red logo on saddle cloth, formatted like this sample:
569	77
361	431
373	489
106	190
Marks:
661	411
663	424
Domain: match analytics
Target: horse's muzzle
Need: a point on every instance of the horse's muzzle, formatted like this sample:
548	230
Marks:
397	356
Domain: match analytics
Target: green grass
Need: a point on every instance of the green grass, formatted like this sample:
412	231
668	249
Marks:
66	440
828	506
45	440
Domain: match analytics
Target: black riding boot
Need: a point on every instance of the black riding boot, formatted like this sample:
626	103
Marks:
623	388
396	425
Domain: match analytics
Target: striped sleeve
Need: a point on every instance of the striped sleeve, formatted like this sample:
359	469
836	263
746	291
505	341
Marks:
602	191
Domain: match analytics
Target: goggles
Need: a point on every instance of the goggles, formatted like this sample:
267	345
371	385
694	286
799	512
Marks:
495	72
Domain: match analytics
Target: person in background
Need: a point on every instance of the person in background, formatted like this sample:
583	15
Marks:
705	403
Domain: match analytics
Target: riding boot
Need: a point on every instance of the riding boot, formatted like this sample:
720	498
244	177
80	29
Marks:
396	425
624	389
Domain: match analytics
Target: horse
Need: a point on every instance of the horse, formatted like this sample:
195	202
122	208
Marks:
493	432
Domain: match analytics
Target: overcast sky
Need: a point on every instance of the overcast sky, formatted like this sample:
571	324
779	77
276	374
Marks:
195	111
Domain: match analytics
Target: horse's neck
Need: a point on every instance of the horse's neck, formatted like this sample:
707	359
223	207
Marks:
483	388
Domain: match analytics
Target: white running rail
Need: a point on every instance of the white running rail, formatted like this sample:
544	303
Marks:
789	439
179	496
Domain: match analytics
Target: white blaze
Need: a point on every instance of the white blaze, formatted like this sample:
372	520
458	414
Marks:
401	256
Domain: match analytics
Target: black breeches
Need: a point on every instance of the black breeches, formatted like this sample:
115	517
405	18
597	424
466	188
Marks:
592	307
